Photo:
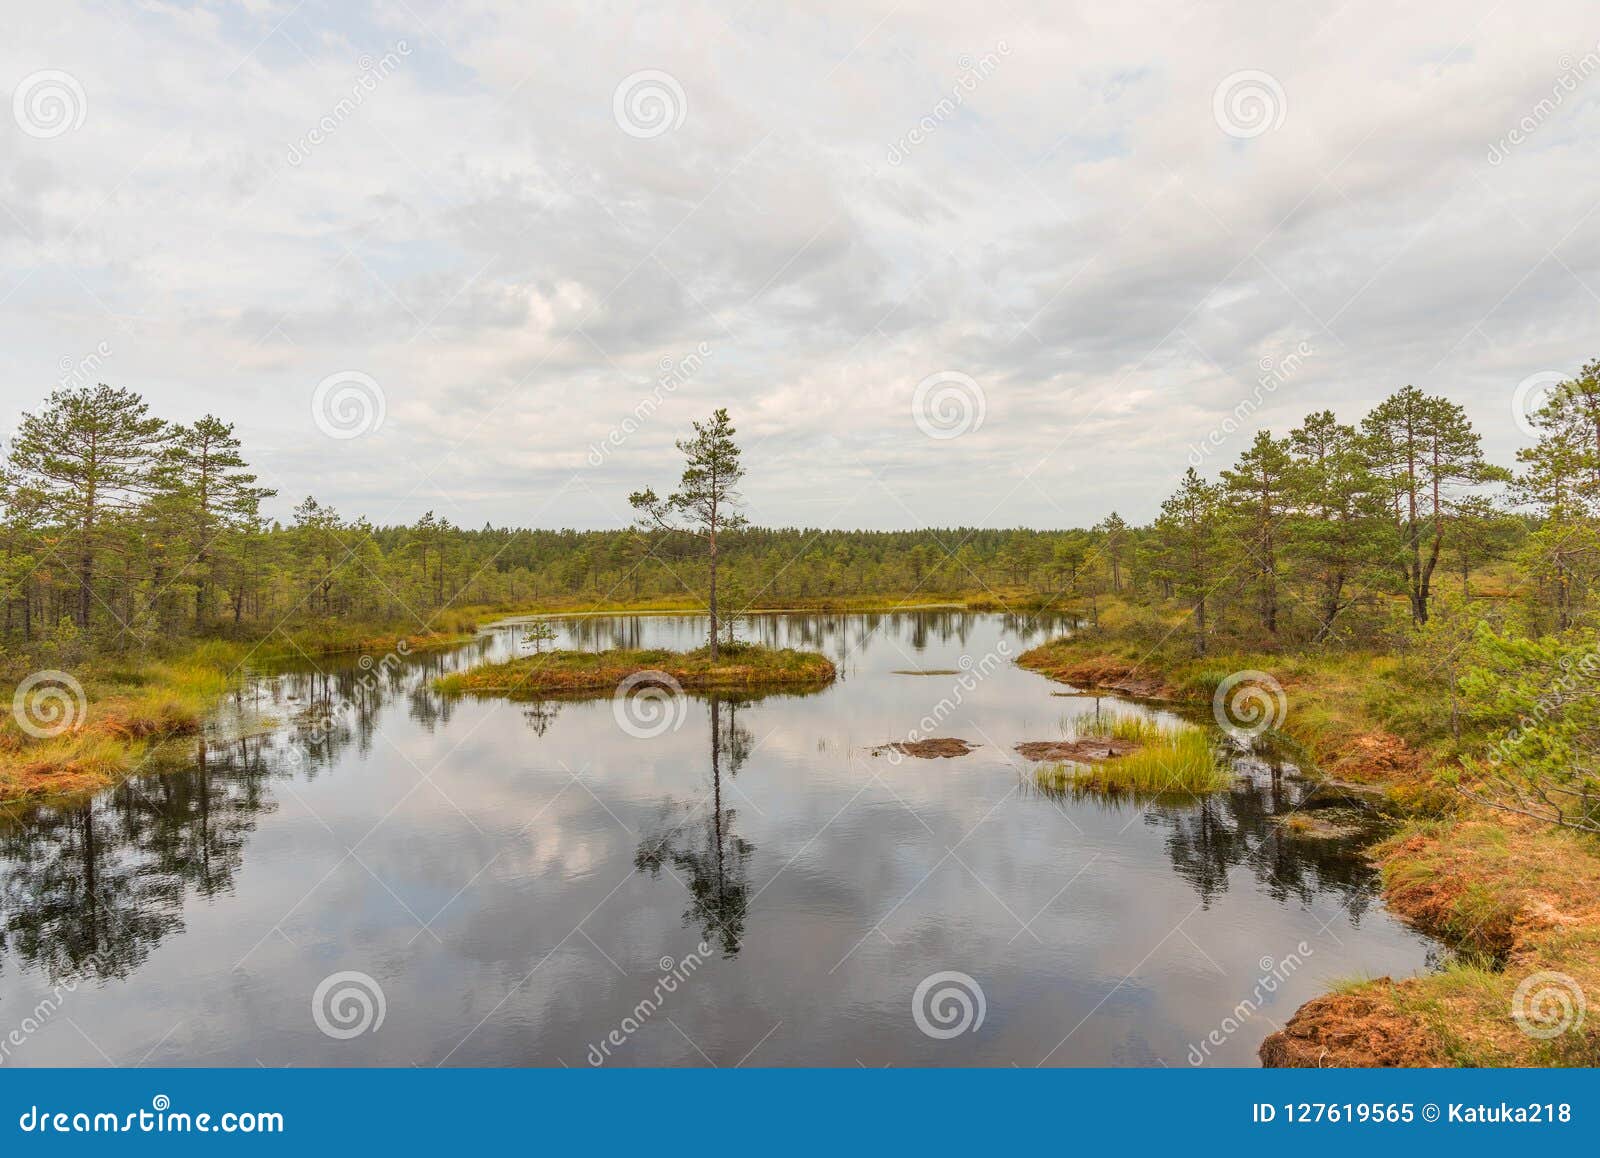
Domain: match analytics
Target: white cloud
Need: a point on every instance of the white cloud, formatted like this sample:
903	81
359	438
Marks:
478	234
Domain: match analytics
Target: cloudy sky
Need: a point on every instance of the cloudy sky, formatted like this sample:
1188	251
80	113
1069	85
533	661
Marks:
946	263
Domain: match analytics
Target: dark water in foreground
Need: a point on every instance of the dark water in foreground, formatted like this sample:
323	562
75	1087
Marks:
530	883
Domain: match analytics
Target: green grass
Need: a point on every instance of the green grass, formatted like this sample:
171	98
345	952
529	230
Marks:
125	711
1173	760
134	702
738	665
1134	729
1354	983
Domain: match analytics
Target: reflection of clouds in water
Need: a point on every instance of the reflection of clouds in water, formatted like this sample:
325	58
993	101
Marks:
813	846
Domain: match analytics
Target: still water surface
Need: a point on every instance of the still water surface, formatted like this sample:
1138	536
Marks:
517	878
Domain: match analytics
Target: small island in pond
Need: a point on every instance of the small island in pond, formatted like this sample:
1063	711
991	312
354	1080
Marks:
735	666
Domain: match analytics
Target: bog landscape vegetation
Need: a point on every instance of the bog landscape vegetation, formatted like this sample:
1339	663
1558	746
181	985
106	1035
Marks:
1413	627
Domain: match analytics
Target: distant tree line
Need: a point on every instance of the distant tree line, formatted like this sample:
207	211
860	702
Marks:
118	528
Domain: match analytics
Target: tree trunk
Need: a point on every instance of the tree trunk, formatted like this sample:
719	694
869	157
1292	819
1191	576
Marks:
713	589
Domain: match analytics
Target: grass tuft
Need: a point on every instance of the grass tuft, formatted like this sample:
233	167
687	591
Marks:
1172	760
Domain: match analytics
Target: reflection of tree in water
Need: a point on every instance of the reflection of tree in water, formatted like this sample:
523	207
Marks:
91	890
836	634
713	859
540	715
1238	827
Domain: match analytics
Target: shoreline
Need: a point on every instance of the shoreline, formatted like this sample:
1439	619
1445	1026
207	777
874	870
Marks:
1511	899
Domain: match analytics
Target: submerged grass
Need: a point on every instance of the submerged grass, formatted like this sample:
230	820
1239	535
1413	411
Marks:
1170	760
1133	729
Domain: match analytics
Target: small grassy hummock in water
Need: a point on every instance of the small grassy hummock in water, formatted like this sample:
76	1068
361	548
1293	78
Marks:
738	665
1168	760
1139	730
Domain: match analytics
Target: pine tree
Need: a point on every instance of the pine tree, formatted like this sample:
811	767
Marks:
203	465
1338	531
707	496
91	453
1256	496
1426	451
1188	547
1114	545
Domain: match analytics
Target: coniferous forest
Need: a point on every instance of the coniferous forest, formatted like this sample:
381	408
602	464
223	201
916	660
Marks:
123	528
816	536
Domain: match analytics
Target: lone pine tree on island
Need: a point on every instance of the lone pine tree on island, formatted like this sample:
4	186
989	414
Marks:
707	499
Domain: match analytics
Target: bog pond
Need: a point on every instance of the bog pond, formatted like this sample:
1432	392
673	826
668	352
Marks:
390	876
